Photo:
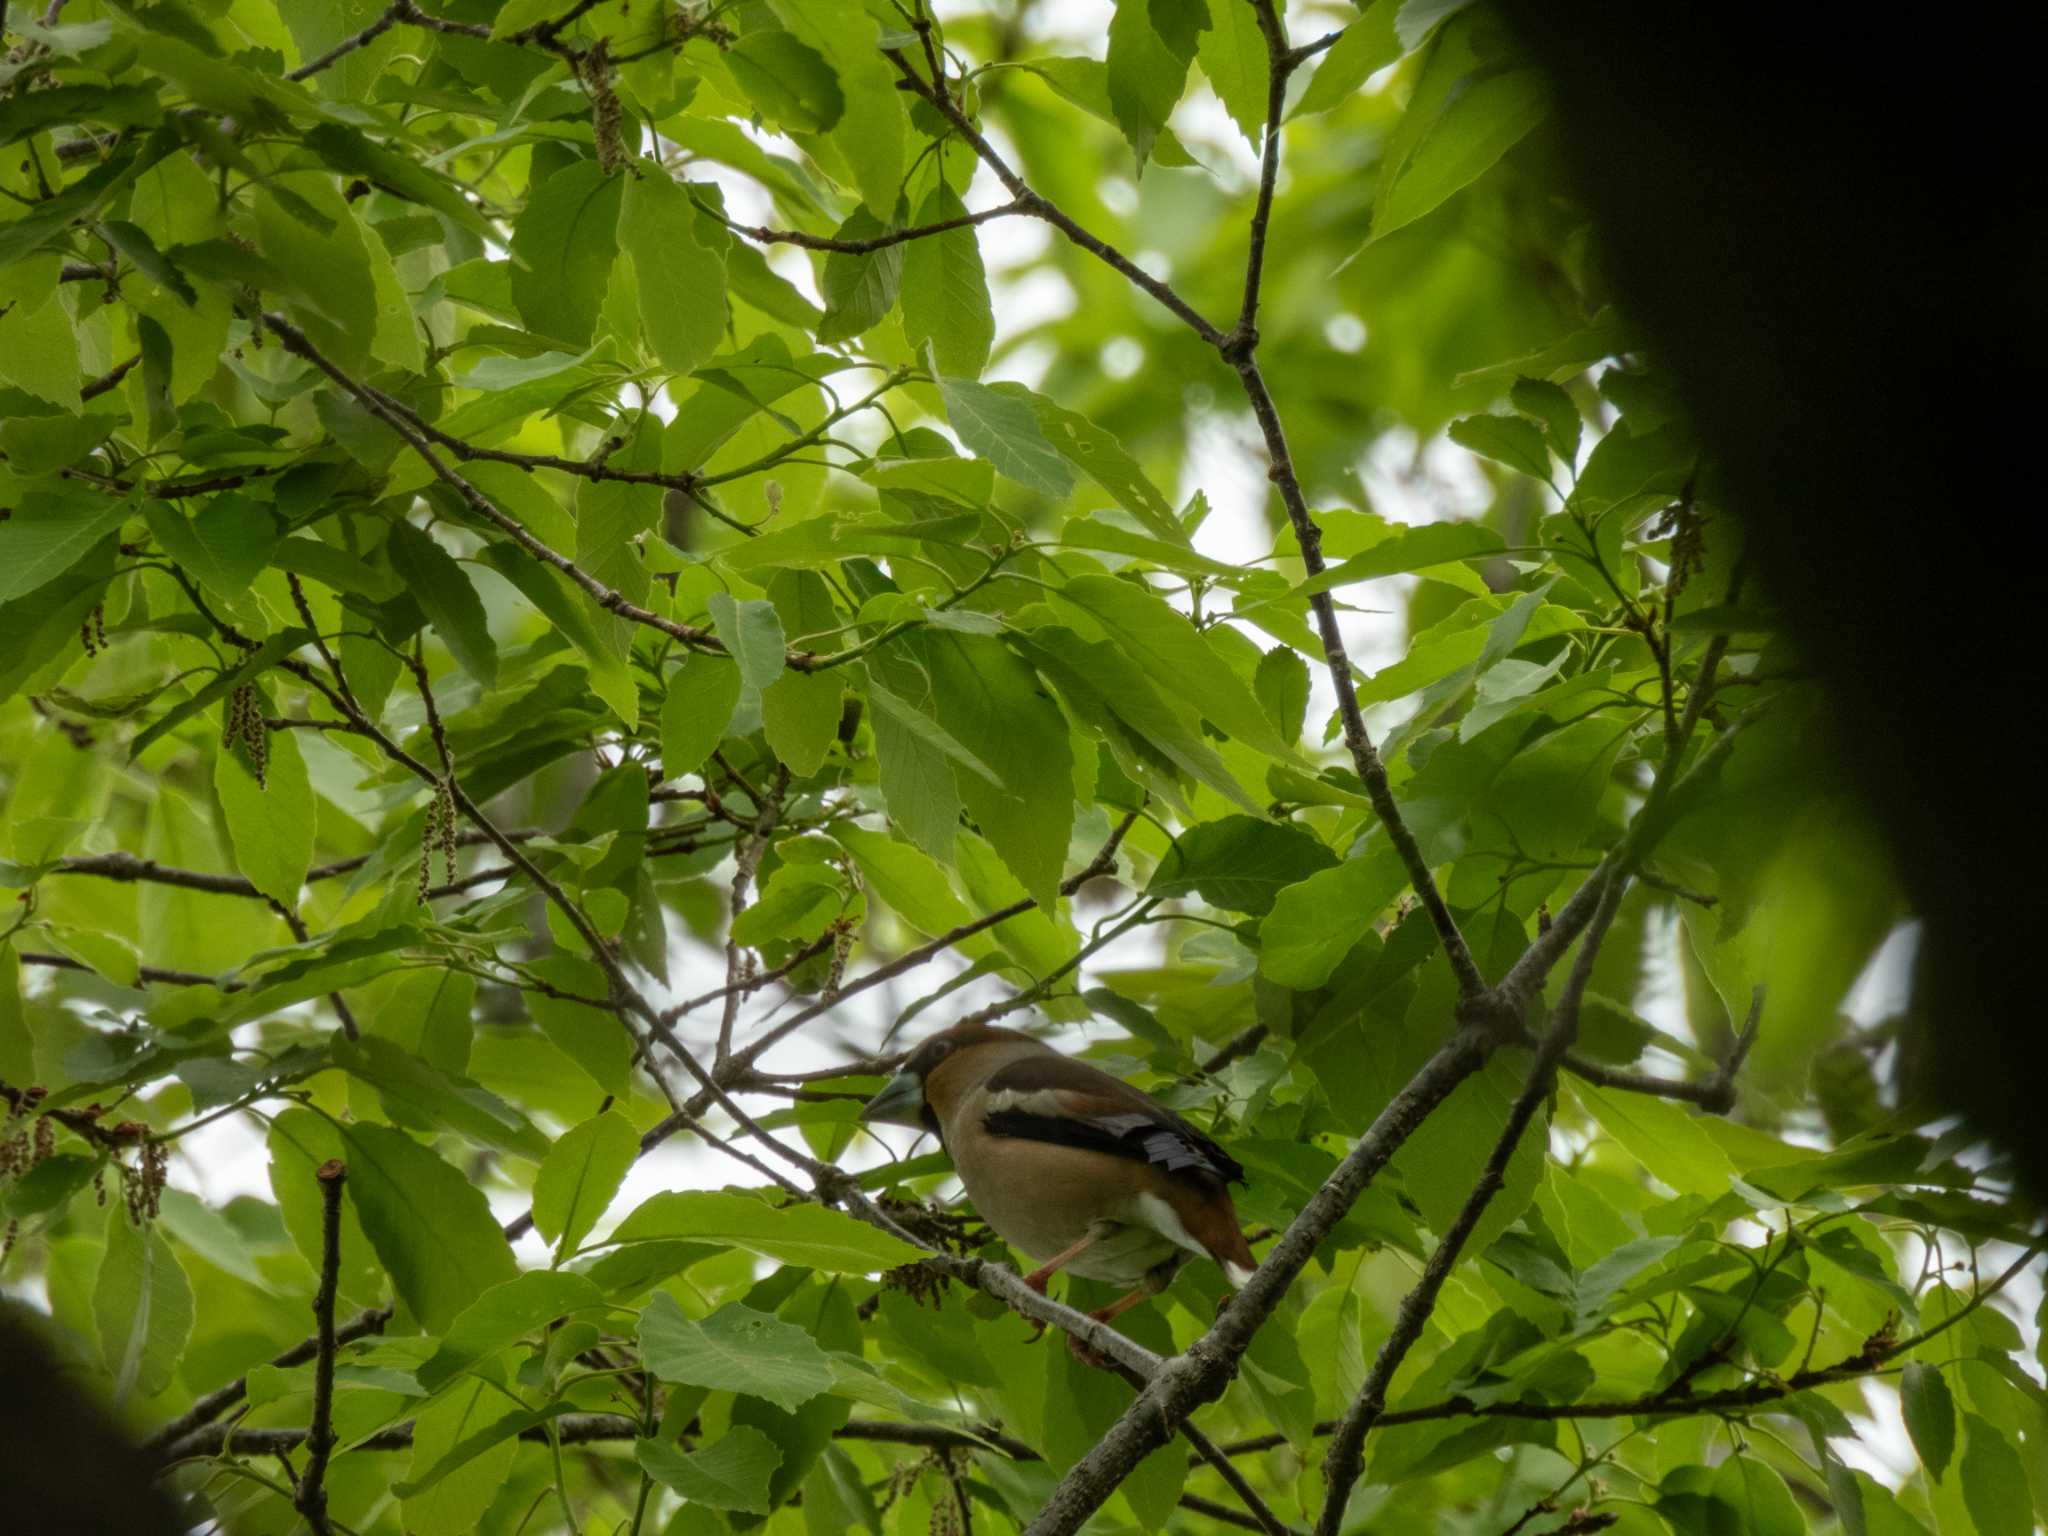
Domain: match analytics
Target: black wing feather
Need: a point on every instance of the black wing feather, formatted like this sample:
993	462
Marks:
1160	1137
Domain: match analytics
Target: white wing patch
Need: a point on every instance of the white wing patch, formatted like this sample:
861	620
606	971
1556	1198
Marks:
1037	1101
1153	1212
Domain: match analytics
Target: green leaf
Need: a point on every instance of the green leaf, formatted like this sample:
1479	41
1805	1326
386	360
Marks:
1232	53
808	1235
1664	1138
789	83
997	422
252	665
1147	71
752	631
142	1304
1555	409
1508	440
1315	923
696	711
1930	1415
1440	1163
563	243
225	545
945	291
431	1226
421	1095
1470	123
735	1349
270	825
800	711
437	579
50	533
17	1046
462	1449
1995	1488
1174	655
681	283
730	1473
591	1036
1281	686
1239	863
1762	1503
1099	456
872	138
300	1141
613	515
991	702
582	1173
859	288
1366	46
502	1316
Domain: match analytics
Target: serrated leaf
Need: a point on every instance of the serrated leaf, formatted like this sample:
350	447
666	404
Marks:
443	590
735	1349
788	82
1930	1415
50	533
1506	440
1232	53
1239	863
563	244
270	825
1316	922
1280	684
751	631
859	288
809	1235
681	283
142	1304
945	292
997	422
730	1473
1555	409
582	1173
696	711
503	1315
1995	1486
431	1226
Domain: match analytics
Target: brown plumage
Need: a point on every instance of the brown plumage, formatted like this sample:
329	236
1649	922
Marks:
1074	1167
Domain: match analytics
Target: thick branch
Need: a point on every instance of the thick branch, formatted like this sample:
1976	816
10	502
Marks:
1198	1376
1346	1457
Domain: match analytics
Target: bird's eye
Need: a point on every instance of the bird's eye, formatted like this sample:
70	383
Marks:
940	1050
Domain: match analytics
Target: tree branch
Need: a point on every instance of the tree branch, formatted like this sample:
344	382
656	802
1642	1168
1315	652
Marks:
1030	203
1200	1374
1346	1459
311	1495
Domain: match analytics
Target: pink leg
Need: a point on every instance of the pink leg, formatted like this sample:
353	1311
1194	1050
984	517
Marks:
1038	1277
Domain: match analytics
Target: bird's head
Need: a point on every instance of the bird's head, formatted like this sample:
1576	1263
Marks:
908	1097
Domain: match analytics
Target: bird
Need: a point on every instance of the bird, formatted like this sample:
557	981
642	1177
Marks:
1070	1165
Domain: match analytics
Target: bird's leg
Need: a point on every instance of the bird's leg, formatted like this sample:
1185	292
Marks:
1041	1276
1155	1281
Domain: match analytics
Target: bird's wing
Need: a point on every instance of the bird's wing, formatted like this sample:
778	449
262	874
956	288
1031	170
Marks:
1054	1098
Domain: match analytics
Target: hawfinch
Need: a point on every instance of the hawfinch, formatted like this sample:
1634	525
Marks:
1069	1164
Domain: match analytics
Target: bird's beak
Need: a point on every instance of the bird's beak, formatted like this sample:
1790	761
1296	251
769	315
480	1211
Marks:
900	1102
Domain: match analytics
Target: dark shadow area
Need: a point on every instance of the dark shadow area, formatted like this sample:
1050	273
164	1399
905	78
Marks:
1830	229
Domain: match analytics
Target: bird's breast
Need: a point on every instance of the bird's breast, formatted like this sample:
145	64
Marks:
1043	1198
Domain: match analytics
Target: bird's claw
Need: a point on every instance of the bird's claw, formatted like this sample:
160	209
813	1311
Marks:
1087	1354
